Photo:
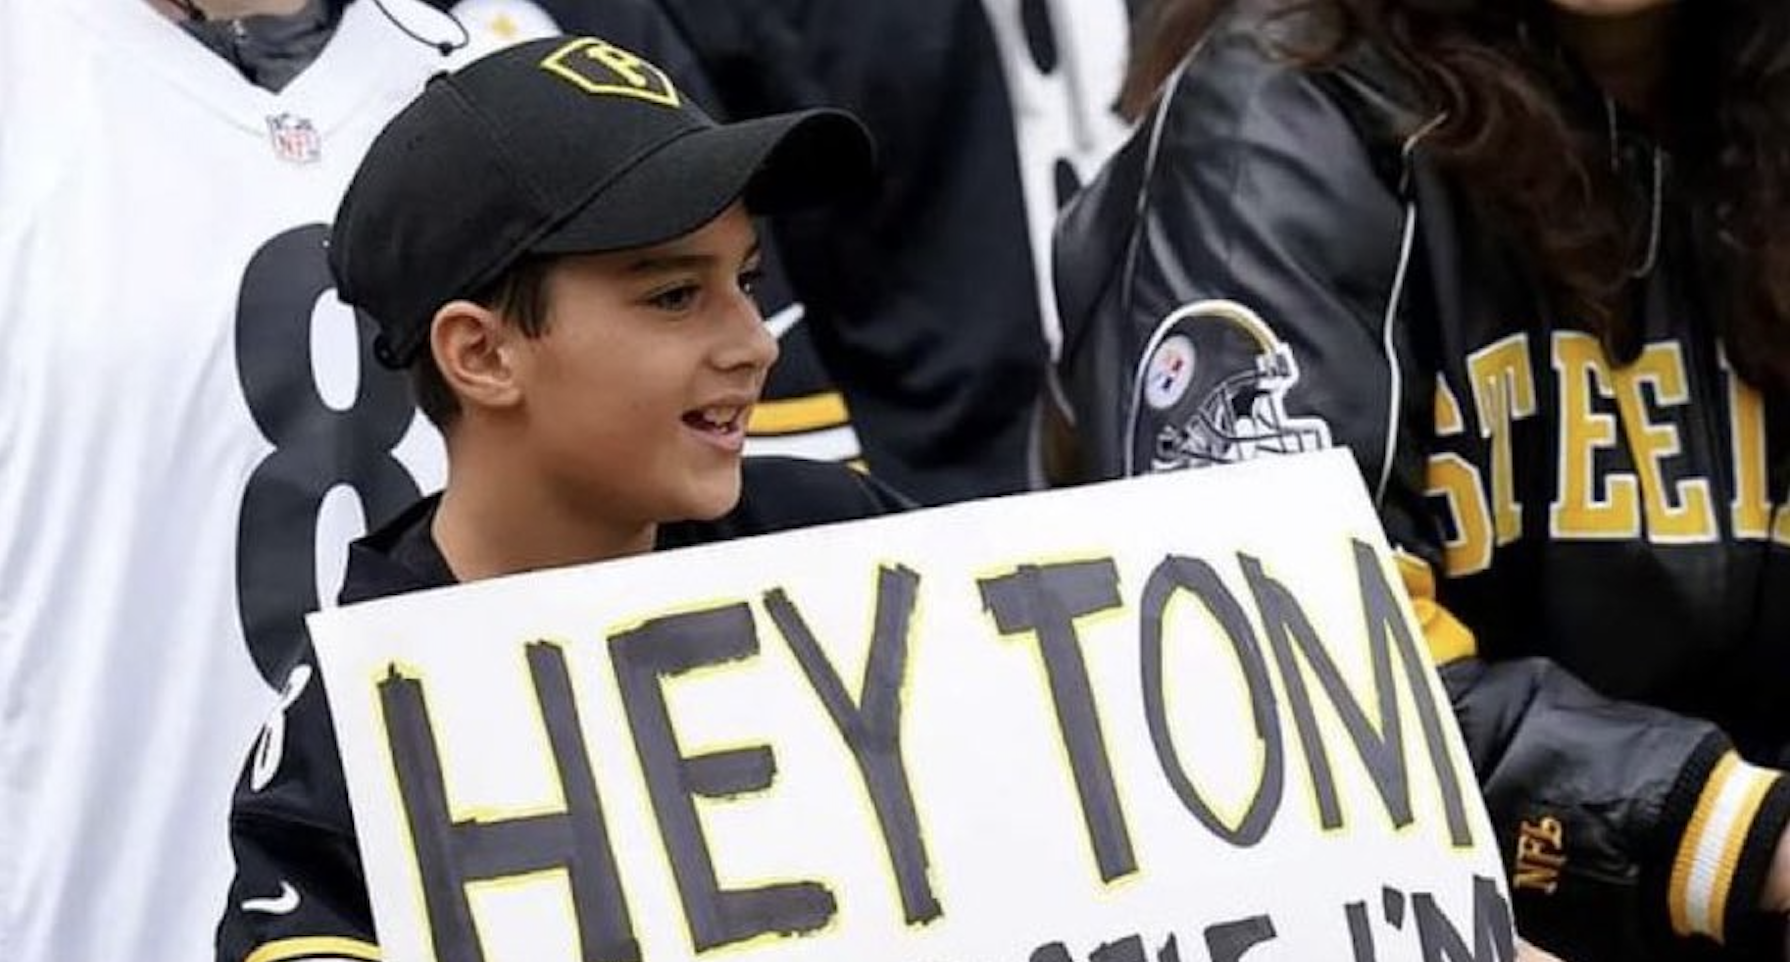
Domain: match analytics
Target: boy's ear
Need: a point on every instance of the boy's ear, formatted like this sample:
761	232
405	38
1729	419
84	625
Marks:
469	342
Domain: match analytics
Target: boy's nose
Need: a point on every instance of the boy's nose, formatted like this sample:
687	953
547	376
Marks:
750	341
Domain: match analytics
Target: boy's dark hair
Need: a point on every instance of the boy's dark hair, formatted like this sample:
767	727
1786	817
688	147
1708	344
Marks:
520	295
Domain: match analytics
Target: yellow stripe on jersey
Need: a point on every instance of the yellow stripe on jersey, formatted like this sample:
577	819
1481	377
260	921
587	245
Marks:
315	946
795	415
1447	638
1703	870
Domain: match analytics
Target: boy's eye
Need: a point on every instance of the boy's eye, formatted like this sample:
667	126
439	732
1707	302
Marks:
677	299
750	279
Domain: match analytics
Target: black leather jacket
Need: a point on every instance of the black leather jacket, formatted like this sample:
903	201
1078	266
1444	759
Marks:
1274	264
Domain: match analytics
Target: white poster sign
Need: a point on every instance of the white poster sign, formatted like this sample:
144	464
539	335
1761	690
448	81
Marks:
1177	718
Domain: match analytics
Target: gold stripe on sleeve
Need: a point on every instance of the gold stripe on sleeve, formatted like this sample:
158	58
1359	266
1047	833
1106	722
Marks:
1730	857
313	946
1678	889
794	415
1708	855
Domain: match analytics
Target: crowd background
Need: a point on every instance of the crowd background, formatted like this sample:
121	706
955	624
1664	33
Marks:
191	423
188	416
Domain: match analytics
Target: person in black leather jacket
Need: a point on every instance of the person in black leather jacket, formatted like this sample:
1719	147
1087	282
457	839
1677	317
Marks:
1527	260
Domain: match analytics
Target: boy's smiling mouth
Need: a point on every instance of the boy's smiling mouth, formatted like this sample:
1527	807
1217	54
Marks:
718	419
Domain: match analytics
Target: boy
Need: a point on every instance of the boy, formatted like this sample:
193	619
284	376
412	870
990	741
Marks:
556	245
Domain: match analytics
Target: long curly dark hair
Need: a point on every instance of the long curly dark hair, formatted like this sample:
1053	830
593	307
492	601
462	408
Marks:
1499	74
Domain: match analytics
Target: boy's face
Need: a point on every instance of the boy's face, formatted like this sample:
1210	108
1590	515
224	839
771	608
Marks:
638	392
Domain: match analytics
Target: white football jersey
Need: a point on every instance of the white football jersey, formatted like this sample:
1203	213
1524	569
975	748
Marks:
191	429
1065	62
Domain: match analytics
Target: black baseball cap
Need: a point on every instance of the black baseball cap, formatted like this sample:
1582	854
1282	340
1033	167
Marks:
560	146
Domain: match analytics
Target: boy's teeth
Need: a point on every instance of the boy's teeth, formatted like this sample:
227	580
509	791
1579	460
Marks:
715	419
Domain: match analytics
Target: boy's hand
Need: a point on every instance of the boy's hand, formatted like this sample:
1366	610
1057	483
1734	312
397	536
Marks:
1775	897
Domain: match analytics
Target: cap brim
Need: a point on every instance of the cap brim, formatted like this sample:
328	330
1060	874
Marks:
776	164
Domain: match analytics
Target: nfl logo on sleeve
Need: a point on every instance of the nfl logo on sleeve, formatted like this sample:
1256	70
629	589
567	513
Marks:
294	139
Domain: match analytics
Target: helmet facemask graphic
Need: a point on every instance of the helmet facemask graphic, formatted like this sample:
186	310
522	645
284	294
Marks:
1212	390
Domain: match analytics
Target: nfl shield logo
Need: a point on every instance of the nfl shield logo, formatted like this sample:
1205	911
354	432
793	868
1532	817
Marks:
294	139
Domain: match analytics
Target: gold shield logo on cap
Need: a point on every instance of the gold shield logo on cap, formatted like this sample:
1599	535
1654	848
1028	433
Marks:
600	67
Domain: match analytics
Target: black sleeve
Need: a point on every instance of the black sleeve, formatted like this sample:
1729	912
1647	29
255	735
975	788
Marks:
1618	797
1253	219
299	891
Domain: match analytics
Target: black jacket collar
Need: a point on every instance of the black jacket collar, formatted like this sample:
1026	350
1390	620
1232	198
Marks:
398	558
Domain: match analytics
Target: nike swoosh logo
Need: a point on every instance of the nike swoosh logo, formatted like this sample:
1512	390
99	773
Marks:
281	904
783	320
